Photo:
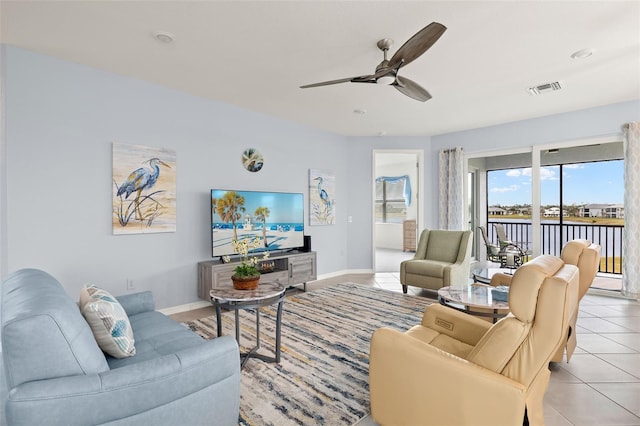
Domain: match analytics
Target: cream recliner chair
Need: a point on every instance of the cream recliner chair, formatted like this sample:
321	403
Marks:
442	259
586	256
456	369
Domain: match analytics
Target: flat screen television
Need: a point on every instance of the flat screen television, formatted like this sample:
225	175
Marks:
276	218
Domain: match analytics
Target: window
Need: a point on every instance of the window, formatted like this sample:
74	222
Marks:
393	196
582	200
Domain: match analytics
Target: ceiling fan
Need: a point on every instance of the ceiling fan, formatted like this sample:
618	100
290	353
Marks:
387	71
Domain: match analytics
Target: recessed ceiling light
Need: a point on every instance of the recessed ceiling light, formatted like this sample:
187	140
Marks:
581	54
164	36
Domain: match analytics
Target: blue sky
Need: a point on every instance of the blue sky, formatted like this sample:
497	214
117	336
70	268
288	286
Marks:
585	183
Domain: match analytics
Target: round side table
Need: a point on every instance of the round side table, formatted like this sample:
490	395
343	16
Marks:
266	294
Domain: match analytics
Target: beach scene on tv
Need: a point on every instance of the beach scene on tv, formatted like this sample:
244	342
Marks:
276	218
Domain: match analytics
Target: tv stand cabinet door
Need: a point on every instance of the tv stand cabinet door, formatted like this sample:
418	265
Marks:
210	275
302	268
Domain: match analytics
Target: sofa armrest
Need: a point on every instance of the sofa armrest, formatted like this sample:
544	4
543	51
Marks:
137	303
413	381
458	325
129	390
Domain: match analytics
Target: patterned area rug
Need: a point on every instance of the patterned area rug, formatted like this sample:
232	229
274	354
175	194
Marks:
323	376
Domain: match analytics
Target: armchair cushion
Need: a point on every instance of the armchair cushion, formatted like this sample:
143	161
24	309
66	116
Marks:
108	321
432	268
444	246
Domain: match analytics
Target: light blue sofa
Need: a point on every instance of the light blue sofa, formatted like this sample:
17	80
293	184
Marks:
57	374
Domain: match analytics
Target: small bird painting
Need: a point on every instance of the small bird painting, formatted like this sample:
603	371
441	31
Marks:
321	197
141	179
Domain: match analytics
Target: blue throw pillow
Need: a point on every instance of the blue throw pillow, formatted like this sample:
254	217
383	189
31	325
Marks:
108	321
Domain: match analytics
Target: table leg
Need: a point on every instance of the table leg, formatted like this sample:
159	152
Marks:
278	324
257	327
219	320
237	326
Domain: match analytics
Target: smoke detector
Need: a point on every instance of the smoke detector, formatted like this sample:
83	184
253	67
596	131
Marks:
545	88
164	37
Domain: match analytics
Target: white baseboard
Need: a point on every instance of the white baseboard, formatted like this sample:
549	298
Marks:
345	272
184	308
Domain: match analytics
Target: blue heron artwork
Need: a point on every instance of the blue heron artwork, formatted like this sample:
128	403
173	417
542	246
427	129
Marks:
144	189
321	197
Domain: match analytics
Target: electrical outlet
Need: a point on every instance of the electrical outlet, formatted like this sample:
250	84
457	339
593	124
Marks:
130	285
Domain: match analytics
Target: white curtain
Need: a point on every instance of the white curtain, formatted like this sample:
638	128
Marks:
631	241
451	189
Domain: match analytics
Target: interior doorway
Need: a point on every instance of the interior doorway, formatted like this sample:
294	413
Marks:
397	208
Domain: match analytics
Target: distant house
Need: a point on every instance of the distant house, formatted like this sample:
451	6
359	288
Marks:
614	211
552	212
496	211
602	210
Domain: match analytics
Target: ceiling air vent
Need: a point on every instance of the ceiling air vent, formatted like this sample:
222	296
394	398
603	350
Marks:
545	88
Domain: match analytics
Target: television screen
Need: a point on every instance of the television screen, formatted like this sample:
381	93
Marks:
276	218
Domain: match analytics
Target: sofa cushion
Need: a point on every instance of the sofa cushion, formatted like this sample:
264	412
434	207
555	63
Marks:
108	321
43	333
156	335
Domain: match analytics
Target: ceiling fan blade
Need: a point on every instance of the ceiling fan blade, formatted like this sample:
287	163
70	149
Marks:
342	80
417	45
411	89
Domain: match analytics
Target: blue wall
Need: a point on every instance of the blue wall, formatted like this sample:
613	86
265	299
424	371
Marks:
61	121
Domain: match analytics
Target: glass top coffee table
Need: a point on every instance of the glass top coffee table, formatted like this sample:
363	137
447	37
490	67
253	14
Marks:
476	299
483	272
266	294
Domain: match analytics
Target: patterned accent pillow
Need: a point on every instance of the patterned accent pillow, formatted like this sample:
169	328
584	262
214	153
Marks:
108	321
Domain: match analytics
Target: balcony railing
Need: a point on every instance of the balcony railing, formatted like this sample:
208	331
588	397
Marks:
554	236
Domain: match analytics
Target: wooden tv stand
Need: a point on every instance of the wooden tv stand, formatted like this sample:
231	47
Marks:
289	268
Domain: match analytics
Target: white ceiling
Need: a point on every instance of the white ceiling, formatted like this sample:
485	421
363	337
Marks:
256	54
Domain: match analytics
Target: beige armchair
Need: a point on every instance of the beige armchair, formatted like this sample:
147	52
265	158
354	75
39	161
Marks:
456	369
586	256
442	259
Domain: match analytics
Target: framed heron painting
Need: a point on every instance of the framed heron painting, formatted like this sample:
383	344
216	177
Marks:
144	189
322	199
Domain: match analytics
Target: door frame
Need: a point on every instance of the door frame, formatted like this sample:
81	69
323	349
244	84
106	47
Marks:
419	153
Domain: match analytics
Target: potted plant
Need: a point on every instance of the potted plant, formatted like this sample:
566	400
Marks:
246	275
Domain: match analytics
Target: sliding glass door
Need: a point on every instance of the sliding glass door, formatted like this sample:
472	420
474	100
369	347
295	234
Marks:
568	192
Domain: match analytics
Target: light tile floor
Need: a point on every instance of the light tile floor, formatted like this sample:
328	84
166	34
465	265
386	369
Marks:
599	386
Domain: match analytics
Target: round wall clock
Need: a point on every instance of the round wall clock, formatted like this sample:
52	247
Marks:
252	160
